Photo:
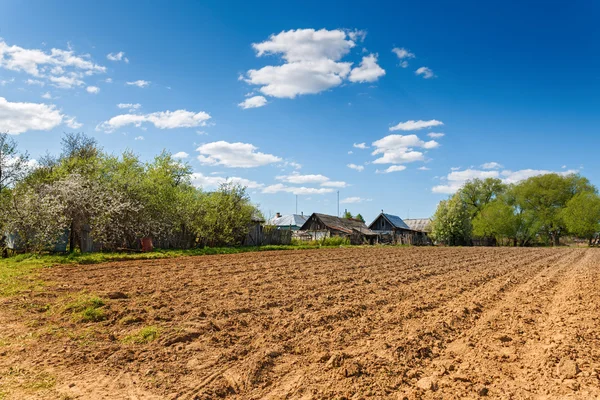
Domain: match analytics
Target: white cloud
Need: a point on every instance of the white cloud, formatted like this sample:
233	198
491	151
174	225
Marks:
350	152
120	56
404	64
398	149
456	179
423	168
311	62
72	123
391	168
402	53
34	82
64	68
6	81
139	138
426	72
302	77
234	155
93	89
253	102
436	135
367	71
181	154
491	165
200	180
353	200
16	118
161	120
47	96
336	184
139	83
357	35
130	106
300	179
412	125
358	168
280	187
108	80
360	145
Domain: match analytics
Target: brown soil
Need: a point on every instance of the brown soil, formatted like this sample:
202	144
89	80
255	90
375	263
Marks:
431	323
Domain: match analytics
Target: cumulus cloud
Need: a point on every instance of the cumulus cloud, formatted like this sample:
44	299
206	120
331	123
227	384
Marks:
360	145
301	179
139	138
402	53
312	62
63	68
412	125
253	102
280	187
457	178
120	56
132	107
353	200
181	155
423	168
234	155
425	72
200	180
34	82
93	89
47	96
436	135
399	149
16	118
358	168
391	168
491	165
72	123
161	120
367	71
139	83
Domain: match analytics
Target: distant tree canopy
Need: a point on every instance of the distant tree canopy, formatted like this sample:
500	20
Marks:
118	199
347	215
538	209
359	218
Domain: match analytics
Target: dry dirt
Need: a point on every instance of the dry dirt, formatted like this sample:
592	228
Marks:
430	323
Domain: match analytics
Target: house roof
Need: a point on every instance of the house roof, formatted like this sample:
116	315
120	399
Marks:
394	220
419	224
289	220
346	225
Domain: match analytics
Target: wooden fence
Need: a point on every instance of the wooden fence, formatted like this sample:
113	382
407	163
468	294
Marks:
265	235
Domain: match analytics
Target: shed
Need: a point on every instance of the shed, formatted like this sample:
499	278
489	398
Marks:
322	225
419	224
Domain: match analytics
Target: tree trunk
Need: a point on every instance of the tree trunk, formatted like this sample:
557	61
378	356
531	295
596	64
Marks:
590	242
72	238
556	239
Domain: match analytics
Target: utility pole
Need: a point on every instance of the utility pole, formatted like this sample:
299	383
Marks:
296	204
338	194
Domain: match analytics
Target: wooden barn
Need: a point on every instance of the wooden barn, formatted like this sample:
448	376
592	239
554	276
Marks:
320	226
392	229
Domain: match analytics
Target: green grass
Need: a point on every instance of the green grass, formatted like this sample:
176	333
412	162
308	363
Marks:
86	308
17	273
144	335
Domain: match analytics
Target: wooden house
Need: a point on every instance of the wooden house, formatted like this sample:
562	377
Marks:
392	229
320	226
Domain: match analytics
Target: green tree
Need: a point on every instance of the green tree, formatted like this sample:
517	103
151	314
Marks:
582	215
359	217
347	214
451	223
543	197
477	193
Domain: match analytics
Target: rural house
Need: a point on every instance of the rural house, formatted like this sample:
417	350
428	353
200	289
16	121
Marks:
292	222
320	226
392	229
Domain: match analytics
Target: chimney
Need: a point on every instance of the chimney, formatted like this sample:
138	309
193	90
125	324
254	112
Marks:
302	213
278	215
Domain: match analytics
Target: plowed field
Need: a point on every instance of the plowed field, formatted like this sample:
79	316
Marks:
431	323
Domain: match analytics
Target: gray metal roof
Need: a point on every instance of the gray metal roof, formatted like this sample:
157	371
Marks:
396	221
289	220
419	224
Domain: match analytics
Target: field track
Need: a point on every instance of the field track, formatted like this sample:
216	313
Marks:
430	323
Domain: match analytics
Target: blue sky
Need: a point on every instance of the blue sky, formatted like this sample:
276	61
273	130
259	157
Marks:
276	96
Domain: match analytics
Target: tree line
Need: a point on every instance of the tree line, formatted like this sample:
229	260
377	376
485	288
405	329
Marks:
115	199
536	211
